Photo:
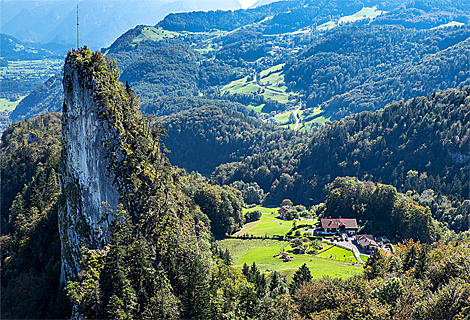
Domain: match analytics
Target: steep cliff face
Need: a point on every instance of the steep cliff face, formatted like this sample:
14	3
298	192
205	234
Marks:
84	176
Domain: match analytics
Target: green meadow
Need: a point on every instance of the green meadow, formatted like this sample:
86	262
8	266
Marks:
275	68
366	12
241	86
273	91
326	26
332	261
8	105
244	86
155	34
283	117
274	77
31	69
269	224
262	209
262	253
258	108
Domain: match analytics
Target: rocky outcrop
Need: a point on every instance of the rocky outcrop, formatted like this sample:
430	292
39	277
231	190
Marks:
85	180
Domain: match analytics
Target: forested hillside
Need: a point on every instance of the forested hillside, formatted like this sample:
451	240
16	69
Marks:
48	97
201	139
31	253
334	58
335	108
288	16
364	68
30	241
418	145
14	49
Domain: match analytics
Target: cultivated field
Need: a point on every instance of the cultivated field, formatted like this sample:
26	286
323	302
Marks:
262	253
31	69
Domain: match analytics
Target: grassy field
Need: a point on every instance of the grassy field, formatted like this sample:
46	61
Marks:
155	34
276	96
327	26
275	68
283	117
317	115
241	86
274	76
246	87
258	108
262	209
6	104
449	24
269	224
262	251
366	12
34	69
338	254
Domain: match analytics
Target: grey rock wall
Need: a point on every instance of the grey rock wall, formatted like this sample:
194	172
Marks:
84	178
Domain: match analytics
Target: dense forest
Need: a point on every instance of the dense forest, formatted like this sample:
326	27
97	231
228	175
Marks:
202	139
382	209
418	145
361	68
30	244
162	261
168	105
288	16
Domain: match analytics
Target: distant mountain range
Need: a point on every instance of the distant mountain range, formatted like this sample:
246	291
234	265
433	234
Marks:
14	49
101	22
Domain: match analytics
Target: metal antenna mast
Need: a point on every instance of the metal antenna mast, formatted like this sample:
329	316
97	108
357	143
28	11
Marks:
77	29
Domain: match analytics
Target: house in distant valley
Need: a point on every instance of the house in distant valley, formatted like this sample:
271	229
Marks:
340	225
282	212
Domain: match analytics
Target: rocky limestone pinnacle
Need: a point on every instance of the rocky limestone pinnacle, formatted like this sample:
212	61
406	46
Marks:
85	180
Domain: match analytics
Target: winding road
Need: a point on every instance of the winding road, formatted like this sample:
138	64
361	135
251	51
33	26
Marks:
267	89
297	120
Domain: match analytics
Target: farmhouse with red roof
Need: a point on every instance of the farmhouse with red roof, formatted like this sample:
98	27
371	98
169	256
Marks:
331	226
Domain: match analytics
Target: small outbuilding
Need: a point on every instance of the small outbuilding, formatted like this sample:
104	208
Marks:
282	212
367	242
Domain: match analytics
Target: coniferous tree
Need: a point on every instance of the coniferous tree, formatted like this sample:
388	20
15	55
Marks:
301	276
421	264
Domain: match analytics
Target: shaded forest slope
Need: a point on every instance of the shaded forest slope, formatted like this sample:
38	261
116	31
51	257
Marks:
420	144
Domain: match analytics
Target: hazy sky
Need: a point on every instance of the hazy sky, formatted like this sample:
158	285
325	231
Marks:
246	3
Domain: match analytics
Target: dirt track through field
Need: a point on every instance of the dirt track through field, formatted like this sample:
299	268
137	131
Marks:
246	228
